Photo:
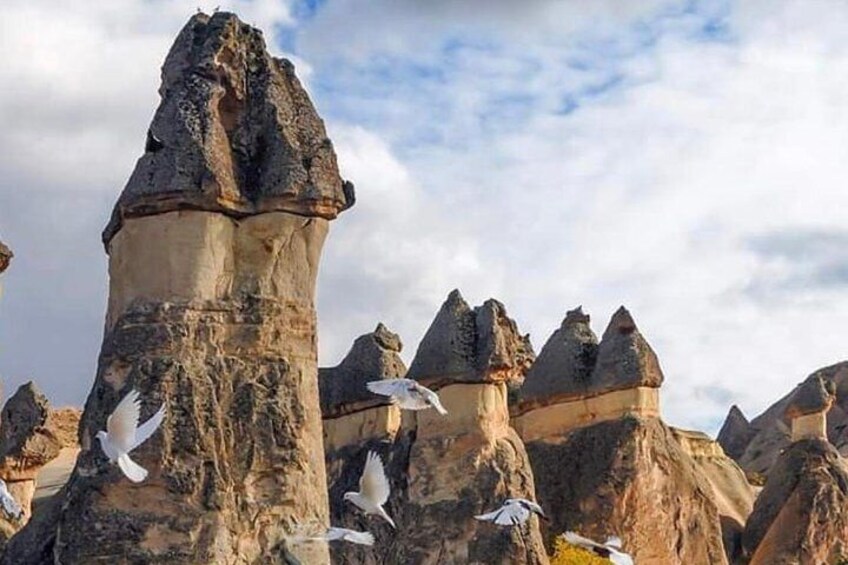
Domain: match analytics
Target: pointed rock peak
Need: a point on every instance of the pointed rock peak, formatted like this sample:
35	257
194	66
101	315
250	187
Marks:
372	357
576	317
736	415
5	257
235	133
621	322
815	394
465	345
625	359
564	366
387	339
735	434
24	443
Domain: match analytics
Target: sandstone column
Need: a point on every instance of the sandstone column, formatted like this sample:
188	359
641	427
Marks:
213	250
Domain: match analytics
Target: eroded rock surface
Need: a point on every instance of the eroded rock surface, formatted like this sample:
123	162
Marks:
5	257
801	515
604	463
213	249
757	446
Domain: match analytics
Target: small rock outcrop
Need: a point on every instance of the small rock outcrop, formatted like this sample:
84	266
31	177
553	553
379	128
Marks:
757	446
5	257
604	463
213	247
30	439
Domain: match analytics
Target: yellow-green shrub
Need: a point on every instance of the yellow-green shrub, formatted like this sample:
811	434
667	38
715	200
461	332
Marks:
567	554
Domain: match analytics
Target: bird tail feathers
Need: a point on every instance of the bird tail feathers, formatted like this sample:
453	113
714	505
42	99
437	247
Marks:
134	472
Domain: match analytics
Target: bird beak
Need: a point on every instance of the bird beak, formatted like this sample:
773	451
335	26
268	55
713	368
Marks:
544	517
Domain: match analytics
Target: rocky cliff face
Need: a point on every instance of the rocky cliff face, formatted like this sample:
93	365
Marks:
604	463
757	445
31	438
213	250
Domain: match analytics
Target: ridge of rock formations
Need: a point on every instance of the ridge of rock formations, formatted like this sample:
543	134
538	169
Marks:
446	469
757	445
603	460
213	249
32	436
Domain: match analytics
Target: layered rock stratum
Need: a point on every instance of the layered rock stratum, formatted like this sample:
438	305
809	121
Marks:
604	462
213	247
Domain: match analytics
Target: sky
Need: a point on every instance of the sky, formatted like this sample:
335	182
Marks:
685	159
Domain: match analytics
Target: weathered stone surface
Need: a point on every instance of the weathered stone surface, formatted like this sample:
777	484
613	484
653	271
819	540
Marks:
735	433
771	432
235	133
731	492
629	477
446	469
564	366
625	359
801	515
211	311
5	257
374	356
473	346
815	394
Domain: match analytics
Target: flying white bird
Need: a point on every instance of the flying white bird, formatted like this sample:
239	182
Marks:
341	534
374	489
611	549
123	434
10	506
514	512
407	394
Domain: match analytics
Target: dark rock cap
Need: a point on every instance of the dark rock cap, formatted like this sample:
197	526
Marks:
5	257
815	394
736	433
235	133
372	357
565	363
625	360
472	346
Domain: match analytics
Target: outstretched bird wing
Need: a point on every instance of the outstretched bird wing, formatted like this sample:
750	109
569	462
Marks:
361	538
432	399
586	543
146	430
373	484
121	425
389	387
507	515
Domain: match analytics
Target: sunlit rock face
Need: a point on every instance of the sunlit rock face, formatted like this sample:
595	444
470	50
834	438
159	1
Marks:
214	248
603	460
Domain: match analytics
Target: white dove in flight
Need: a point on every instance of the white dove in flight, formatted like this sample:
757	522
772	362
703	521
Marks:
342	534
611	549
10	506
513	512
407	394
374	489
123	434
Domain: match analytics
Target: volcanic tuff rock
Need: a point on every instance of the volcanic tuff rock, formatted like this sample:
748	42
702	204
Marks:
801	515
30	438
213	250
446	469
757	447
603	461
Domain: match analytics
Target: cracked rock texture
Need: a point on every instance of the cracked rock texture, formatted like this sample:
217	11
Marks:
213	248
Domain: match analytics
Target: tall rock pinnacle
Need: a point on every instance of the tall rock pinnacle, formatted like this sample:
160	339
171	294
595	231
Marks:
213	249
